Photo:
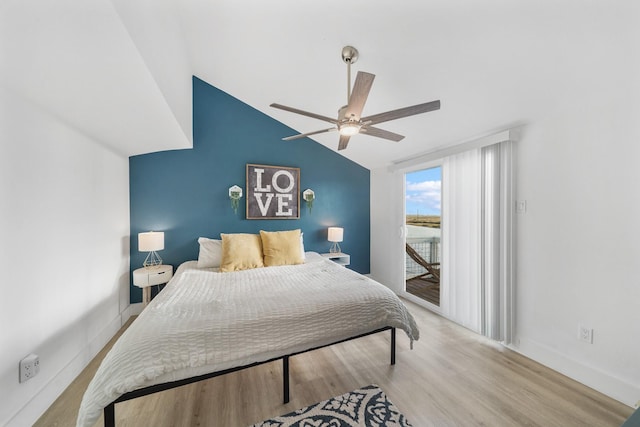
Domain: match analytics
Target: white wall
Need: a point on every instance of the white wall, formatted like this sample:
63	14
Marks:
578	244
64	229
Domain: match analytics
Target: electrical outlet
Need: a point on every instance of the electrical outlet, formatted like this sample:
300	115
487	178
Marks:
585	334
29	367
521	206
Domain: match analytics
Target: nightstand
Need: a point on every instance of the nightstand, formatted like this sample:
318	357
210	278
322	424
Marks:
146	277
339	258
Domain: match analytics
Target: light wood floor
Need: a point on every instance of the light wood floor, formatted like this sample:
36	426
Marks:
451	378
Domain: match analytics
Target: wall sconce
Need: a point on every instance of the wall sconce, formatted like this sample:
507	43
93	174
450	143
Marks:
151	242
335	235
309	196
235	194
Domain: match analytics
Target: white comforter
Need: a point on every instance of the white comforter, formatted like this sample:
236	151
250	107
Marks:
205	321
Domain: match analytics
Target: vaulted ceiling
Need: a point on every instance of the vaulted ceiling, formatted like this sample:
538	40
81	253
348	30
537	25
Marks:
120	70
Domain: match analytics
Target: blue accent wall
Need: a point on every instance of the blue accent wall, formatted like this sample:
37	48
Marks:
185	193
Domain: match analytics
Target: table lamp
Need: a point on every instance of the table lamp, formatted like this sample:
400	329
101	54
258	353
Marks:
151	242
335	235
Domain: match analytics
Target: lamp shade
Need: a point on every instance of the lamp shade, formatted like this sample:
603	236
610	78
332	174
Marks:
335	234
151	241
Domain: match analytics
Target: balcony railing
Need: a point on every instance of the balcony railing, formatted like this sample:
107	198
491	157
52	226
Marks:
429	250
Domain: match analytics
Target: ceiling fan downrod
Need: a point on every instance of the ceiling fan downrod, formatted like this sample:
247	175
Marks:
349	56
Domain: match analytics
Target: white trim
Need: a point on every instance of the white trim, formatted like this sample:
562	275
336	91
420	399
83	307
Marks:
616	388
43	398
439	153
421	302
132	310
422	166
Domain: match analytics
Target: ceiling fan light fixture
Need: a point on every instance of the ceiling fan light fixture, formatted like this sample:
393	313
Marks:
350	128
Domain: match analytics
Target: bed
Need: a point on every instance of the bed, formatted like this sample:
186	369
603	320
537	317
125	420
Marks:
205	323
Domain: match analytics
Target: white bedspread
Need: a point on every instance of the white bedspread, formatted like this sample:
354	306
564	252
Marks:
205	321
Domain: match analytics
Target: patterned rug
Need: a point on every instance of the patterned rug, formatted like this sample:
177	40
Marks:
365	407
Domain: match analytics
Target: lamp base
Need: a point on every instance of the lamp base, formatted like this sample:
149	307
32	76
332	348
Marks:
335	248
152	260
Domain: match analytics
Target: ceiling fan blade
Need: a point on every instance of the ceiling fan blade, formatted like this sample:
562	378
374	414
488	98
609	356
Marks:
304	135
344	140
402	112
381	133
359	94
304	113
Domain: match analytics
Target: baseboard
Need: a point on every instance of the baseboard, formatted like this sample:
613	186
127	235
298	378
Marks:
594	378
43	399
132	310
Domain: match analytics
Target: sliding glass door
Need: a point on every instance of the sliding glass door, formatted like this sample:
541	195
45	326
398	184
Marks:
423	213
459	238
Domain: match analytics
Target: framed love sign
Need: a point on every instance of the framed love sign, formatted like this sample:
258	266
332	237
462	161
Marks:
273	192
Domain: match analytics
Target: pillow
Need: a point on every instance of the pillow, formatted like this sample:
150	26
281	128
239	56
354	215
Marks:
241	252
210	254
302	245
281	247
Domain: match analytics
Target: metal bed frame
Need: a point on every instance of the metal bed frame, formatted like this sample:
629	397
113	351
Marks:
109	411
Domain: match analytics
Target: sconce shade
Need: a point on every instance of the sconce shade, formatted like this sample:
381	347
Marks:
151	241
335	234
235	192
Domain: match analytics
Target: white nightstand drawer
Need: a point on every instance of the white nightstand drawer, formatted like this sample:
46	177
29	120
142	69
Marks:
143	277
160	277
146	277
339	258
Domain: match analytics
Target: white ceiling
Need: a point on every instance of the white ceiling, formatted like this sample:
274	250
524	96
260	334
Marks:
120	70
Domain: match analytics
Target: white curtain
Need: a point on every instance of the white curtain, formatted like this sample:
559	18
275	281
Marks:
460	263
477	222
497	237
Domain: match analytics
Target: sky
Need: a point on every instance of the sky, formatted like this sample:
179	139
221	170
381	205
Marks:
424	192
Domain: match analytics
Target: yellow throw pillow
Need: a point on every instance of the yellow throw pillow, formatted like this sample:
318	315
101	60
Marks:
281	247
241	252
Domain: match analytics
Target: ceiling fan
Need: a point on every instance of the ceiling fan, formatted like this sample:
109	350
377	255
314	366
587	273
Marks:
349	121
